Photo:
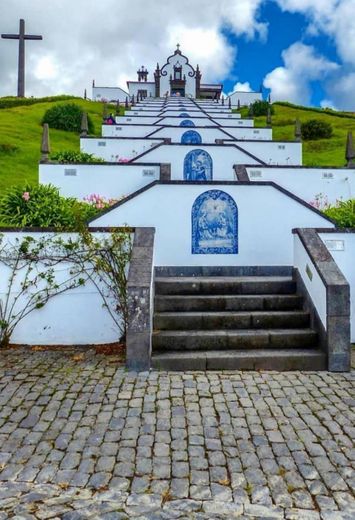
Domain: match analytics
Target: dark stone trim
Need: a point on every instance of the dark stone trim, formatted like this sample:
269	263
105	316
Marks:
335	230
177	126
258	270
124	137
214	183
241	173
165	172
294	167
338	345
139	299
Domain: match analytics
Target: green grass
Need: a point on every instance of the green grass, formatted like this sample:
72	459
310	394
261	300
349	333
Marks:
20	139
323	152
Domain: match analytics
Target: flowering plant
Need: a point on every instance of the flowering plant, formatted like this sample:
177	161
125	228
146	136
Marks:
98	201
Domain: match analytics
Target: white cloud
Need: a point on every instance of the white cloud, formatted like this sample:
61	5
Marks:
341	90
302	65
110	39
241	87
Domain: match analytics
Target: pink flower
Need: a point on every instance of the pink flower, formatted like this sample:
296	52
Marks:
26	196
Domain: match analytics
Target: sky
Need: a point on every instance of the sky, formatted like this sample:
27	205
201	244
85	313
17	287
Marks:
301	51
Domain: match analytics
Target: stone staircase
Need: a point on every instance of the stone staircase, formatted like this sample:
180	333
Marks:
232	322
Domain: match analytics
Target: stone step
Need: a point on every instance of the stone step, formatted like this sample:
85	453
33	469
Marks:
218	302
253	359
221	285
231	320
233	339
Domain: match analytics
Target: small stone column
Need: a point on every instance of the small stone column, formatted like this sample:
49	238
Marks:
165	172
45	146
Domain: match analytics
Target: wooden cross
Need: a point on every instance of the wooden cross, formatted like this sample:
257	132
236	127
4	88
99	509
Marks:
21	54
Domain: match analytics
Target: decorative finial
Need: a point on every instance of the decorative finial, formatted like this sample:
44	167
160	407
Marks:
251	110
229	102
84	129
298	131
93	82
104	111
222	100
126	103
85	94
350	152
238	106
45	147
268	118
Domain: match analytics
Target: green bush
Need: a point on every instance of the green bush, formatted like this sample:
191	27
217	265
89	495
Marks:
260	108
66	117
71	156
316	129
343	213
42	206
10	102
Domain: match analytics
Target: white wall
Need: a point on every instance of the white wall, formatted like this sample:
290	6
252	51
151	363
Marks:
314	286
109	180
76	317
307	183
208	135
275	152
136	120
266	220
134	87
109	94
245	98
168	68
342	248
127	130
223	157
233	122
114	149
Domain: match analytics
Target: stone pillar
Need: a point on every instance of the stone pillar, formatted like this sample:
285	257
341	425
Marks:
298	131
84	125
165	172
45	146
269	118
350	152
140	298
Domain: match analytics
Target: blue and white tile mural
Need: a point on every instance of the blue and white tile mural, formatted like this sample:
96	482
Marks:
214	224
184	114
191	137
187	122
198	166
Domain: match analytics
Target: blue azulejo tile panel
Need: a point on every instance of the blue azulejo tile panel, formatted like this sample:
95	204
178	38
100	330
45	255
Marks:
214	218
198	166
191	137
187	122
184	114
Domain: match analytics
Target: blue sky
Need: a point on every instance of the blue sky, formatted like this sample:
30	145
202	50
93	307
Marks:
256	57
303	51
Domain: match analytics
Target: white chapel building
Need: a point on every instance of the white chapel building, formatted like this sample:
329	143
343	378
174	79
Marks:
177	77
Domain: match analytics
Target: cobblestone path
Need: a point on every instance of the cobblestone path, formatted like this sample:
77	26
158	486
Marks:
82	438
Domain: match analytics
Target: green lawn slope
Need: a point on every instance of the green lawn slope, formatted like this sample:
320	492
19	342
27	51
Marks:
322	152
20	139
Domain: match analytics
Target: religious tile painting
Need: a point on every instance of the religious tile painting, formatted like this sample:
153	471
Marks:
184	114
191	137
198	166
187	122
214	224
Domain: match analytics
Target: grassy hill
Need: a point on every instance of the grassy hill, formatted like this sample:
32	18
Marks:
20	139
20	136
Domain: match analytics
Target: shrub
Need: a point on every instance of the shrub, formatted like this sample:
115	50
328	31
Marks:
316	129
343	213
71	156
66	117
43	206
259	108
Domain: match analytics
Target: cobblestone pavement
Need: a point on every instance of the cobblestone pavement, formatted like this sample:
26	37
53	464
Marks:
82	438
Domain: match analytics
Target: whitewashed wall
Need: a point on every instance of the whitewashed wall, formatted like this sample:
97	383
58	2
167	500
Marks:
233	122
134	87
245	98
109	180
136	120
109	94
223	157
76	317
250	134
127	130
332	183
342	248
113	149
314	285
275	152
266	219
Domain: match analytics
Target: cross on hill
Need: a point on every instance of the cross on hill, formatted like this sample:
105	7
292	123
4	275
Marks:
21	54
